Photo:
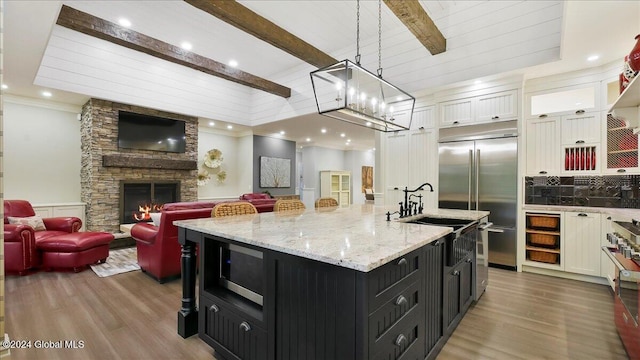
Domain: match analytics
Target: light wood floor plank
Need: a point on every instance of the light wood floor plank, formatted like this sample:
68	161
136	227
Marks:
130	316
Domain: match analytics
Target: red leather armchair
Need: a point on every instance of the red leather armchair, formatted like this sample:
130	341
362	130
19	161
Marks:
158	249
20	253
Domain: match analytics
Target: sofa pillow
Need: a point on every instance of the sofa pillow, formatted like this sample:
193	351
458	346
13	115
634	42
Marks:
155	217
34	221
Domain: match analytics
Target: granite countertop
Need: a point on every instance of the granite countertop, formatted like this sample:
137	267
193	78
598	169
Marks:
356	237
629	213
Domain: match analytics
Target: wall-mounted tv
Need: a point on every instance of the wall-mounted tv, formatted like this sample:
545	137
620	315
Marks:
145	132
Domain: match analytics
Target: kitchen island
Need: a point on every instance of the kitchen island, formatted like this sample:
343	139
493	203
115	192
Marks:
327	283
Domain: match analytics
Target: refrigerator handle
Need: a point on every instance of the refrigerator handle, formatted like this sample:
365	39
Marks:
470	178
477	179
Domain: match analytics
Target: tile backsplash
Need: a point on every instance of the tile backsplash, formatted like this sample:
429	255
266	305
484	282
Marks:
614	191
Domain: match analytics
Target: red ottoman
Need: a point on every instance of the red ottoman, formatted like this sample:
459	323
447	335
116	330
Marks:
74	250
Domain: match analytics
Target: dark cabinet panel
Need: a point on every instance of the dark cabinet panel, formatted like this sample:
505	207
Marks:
402	343
408	303
458	292
314	310
235	337
433	295
388	280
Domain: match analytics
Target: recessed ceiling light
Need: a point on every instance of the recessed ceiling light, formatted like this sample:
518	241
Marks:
233	63
4	86
477	82
374	149
323	130
211	123
46	94
229	127
308	139
593	58
348	140
342	135
282	132
368	123
124	22
347	143
186	45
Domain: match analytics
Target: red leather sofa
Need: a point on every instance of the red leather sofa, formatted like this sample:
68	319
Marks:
158	249
60	245
263	202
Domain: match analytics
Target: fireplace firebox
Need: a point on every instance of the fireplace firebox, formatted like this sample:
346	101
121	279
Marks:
139	198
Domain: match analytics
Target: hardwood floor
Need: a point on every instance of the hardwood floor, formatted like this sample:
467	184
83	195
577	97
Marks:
130	316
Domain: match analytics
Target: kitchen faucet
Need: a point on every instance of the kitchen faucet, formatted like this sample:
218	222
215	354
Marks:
405	209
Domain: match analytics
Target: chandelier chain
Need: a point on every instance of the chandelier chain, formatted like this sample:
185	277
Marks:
358	32
380	38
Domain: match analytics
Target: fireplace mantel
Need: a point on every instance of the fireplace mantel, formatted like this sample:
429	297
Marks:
147	163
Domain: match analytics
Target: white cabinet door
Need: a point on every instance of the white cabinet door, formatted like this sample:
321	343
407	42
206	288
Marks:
457	112
581	128
543	146
423	158
581	234
497	107
424	118
396	166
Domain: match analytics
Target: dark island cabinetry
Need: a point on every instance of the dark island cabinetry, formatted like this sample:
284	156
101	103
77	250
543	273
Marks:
405	309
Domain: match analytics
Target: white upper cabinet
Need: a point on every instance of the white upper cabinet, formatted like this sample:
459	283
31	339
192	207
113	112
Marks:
480	109
565	100
456	112
581	128
543	146
498	107
424	118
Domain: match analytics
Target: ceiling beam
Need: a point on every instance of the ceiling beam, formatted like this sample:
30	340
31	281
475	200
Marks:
105	30
413	16
248	21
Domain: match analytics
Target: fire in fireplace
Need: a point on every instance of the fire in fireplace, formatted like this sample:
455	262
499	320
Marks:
139	199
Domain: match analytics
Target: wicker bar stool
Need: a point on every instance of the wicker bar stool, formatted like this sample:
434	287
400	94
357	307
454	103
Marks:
292	204
233	208
326	202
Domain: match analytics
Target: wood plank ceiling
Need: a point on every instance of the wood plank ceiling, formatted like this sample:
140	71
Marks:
105	30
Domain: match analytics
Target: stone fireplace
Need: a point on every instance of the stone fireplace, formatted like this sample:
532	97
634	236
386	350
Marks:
139	199
106	168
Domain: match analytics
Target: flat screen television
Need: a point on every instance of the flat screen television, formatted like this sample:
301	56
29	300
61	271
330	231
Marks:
145	132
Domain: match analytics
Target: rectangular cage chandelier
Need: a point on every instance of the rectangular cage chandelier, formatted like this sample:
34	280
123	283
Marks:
348	92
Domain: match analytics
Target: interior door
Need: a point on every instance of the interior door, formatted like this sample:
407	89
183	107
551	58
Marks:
456	175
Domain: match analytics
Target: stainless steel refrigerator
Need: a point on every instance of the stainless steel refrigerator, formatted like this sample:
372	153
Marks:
478	171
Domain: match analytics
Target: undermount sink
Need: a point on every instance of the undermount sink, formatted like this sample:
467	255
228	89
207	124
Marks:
440	221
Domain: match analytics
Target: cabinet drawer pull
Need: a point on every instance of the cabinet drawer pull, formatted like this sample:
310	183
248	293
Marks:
542	116
495	117
622	170
400	339
214	308
402	262
608	217
468	260
542	172
580	142
401	300
245	326
456	122
456	273
582	214
579	112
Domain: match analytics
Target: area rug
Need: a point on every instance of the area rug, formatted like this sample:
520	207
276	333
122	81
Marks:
119	261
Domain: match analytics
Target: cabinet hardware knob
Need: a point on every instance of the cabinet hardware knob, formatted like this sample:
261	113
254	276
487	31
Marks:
579	112
402	261
214	308
622	170
608	217
245	326
580	142
468	260
542	116
456	122
456	273
400	339
542	172
495	117
401	300
582	214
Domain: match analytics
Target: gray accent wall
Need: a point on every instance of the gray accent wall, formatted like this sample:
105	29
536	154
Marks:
278	148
